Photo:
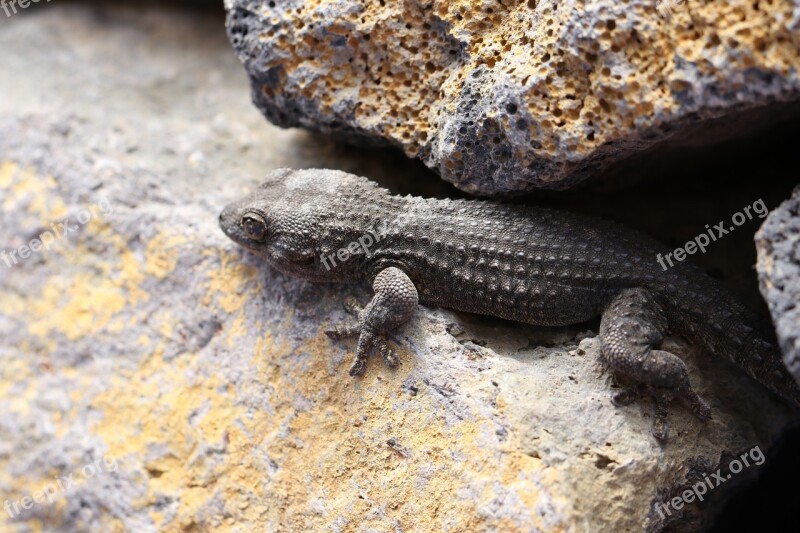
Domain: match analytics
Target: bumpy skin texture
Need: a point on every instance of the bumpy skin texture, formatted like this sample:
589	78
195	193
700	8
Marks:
528	264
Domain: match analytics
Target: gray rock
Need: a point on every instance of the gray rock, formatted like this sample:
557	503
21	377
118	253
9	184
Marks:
778	245
200	384
504	97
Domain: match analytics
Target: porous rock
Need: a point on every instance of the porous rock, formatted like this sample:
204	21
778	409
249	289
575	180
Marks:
510	96
186	386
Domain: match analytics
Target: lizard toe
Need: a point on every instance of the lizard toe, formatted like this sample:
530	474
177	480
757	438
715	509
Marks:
340	331
698	406
625	397
352	305
389	356
660	428
359	367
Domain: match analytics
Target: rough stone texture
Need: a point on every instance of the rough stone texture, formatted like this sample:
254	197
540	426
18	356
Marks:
518	95
149	338
778	245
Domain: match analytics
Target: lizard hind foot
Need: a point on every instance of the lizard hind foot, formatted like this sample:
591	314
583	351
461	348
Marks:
631	329
663	397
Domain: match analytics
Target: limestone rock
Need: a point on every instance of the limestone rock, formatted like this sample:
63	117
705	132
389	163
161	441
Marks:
778	245
503	97
185	386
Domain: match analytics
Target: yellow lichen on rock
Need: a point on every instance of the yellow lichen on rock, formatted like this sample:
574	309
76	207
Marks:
232	283
187	433
511	96
280	461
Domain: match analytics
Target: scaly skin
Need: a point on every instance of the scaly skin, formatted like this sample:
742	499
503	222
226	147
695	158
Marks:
526	264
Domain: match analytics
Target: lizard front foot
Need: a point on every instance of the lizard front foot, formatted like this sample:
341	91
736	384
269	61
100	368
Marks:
393	305
367	340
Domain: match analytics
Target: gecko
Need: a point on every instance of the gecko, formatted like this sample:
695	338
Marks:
523	263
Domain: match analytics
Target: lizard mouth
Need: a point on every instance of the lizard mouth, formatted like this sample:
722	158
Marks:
281	258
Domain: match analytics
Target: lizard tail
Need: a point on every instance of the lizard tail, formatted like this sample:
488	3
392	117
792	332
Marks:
709	315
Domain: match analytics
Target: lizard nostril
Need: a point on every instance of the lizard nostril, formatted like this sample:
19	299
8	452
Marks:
223	218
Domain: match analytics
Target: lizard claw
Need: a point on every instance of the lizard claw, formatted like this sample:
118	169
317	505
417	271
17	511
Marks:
389	356
359	366
660	429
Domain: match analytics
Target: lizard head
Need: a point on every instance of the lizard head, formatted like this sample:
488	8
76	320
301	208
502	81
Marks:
292	219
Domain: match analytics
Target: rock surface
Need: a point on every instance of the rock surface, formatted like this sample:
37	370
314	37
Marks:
187	387
778	245
503	97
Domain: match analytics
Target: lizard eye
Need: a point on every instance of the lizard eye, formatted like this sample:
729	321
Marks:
254	226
